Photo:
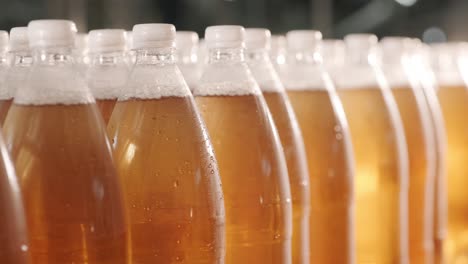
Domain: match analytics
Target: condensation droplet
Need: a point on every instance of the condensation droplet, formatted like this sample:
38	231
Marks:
176	183
24	248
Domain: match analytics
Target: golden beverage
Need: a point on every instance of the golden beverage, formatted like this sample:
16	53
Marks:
170	181
4	107
294	152
381	180
255	183
106	106
454	102
327	143
415	117
70	188
440	190
13	234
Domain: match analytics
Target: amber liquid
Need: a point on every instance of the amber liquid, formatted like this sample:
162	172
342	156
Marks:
454	102
328	151
416	120
14	244
255	180
296	160
70	187
106	106
440	192
380	187
4	107
171	184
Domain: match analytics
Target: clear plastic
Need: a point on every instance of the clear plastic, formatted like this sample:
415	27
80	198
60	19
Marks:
290	135
164	157
398	69
426	77
278	50
381	179
448	65
106	75
80	52
187	59
251	161
63	161
20	65
14	246
329	154
5	101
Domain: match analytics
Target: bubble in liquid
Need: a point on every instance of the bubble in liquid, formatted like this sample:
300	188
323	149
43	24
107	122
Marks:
24	248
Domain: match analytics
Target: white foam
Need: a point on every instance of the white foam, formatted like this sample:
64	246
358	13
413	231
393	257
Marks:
14	80
449	78
266	76
397	78
155	82
230	79
354	77
50	85
4	91
191	72
107	82
302	77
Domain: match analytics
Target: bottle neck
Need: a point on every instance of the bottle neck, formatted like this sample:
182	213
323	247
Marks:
362	57
107	58
21	58
187	56
257	56
3	59
304	57
231	55
155	56
53	56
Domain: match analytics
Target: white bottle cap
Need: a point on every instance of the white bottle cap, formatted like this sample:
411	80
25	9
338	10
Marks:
257	38
186	40
107	40
129	40
3	41
51	33
153	36
82	43
395	45
333	52
278	43
361	41
303	39
225	36
19	39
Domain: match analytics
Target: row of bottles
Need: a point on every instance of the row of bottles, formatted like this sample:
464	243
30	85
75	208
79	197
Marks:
251	149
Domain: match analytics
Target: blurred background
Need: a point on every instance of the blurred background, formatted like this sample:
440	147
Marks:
431	20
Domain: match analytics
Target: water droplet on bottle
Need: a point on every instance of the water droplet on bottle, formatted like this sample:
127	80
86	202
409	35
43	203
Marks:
176	183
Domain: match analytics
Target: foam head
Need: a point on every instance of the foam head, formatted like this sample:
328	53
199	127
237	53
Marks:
257	38
333	52
3	41
107	40
445	56
225	36
303	39
153	36
186	40
81	42
51	33
19	39
277	43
